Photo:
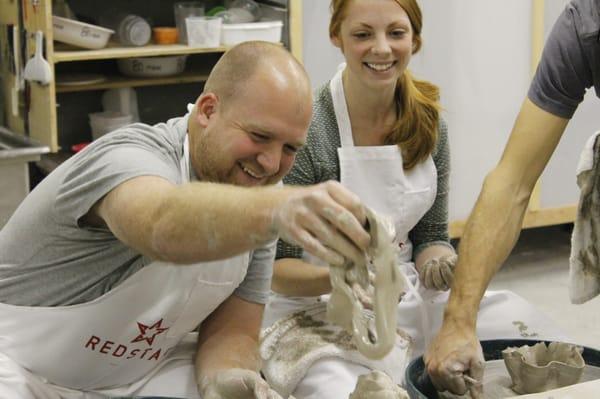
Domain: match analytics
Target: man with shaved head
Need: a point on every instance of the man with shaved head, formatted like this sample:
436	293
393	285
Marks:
141	265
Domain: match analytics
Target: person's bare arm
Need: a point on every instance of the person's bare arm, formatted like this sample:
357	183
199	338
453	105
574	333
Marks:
228	361
228	339
295	277
495	223
205	221
188	223
491	232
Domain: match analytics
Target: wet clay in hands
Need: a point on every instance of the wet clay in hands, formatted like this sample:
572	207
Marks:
374	337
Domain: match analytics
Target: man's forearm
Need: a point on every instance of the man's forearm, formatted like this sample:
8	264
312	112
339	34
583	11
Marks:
193	222
491	233
228	338
495	223
234	350
215	221
295	277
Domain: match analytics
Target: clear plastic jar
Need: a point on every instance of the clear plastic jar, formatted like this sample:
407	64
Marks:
250	6
130	29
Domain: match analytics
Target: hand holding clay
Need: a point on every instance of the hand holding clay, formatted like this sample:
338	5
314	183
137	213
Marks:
438	273
455	362
237	384
326	220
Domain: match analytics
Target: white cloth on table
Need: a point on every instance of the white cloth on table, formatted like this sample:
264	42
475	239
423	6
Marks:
293	344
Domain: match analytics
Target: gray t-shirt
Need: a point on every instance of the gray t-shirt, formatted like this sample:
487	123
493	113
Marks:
48	258
570	63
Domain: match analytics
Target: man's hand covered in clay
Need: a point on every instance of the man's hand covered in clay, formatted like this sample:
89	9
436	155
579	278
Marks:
326	220
237	384
438	273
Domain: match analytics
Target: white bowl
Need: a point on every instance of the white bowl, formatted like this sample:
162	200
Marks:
105	122
268	31
80	34
152	66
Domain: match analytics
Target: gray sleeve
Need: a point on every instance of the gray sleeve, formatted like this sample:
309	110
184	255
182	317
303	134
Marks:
302	174
257	283
317	161
564	72
432	229
96	171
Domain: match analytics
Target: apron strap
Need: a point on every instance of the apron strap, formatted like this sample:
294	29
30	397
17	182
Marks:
341	109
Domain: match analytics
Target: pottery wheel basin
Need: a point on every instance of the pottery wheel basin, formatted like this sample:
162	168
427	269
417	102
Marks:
497	382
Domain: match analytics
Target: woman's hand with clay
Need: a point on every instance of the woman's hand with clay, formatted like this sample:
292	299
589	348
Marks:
438	273
326	220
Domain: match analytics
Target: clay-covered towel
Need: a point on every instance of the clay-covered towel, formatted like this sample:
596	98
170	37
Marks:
291	345
584	276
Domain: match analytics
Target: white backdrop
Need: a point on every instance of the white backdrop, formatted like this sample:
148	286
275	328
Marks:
478	52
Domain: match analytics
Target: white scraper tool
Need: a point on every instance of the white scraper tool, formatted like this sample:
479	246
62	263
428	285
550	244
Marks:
37	68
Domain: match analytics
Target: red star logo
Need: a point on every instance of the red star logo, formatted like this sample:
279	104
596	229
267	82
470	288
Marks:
147	333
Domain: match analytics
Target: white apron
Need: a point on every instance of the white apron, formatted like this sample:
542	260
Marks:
116	343
376	175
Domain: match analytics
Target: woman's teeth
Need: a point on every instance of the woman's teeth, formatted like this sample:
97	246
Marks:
380	67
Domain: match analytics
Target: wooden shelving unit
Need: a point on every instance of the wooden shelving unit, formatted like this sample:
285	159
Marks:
118	81
39	109
113	51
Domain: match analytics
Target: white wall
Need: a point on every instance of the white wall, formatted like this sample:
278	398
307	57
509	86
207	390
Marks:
320	56
478	52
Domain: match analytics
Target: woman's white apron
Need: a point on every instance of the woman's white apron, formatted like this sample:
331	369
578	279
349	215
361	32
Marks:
376	175
117	343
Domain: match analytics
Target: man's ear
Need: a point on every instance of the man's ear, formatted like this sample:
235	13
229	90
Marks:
206	105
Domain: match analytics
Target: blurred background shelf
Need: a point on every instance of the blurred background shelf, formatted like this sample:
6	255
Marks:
118	81
57	114
67	54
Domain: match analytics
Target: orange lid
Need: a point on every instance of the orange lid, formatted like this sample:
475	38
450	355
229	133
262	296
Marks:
165	35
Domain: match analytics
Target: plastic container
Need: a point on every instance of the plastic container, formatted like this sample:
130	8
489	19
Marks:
122	100
268	31
105	122
130	29
250	6
183	10
235	16
203	31
145	67
80	34
165	35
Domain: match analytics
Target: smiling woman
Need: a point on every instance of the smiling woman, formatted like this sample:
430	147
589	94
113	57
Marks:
378	43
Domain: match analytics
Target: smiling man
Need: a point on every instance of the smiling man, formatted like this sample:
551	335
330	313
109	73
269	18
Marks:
153	231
